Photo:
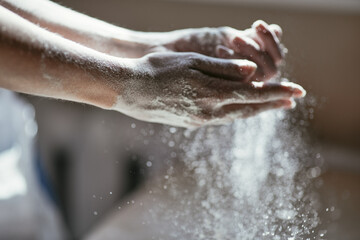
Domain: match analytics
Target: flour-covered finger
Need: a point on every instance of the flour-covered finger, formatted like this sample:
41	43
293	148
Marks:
277	30
228	69
257	92
236	111
246	46
264	92
271	43
248	49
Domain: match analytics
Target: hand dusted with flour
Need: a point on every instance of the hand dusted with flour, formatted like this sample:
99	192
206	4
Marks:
260	44
186	78
191	90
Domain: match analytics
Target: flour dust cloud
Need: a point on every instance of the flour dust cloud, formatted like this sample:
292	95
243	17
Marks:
242	181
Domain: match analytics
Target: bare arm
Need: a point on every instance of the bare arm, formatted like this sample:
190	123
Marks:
78	27
38	62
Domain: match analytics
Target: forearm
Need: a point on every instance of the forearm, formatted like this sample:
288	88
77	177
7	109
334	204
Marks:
36	61
91	32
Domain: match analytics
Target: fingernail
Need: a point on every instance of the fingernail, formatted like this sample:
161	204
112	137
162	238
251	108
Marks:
299	92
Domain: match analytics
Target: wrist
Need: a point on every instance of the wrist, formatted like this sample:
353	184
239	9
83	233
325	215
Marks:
130	44
136	44
115	78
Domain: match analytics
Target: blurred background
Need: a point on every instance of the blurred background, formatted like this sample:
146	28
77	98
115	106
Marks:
90	159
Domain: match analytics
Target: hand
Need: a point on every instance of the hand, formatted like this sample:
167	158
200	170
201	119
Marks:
191	90
260	44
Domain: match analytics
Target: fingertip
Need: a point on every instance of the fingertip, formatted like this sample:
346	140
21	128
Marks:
298	91
247	68
290	104
285	103
262	26
277	30
258	23
293	104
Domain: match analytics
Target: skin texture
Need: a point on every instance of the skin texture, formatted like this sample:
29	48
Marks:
186	78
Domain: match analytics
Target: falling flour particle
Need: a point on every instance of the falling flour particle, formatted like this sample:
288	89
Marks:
244	181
